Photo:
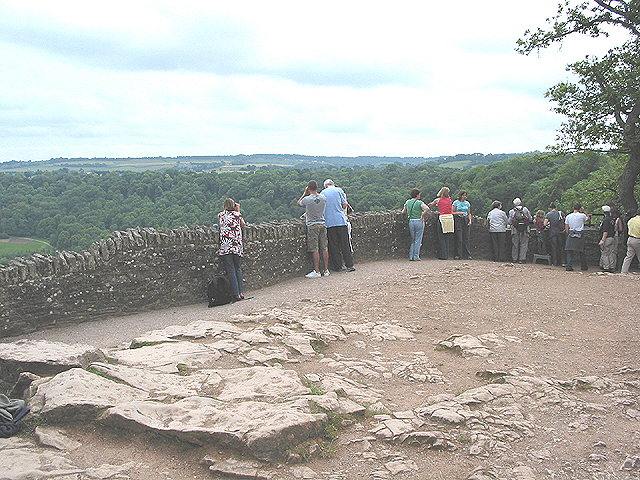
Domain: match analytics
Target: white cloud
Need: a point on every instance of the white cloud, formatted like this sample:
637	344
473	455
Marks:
336	78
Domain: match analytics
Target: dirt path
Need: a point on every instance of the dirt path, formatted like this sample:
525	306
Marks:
536	318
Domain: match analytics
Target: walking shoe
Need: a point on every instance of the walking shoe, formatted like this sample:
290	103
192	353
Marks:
351	269
326	273
313	274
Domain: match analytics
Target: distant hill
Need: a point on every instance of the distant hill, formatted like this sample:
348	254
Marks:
243	162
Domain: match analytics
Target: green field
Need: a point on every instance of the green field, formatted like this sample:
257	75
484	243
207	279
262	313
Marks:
24	248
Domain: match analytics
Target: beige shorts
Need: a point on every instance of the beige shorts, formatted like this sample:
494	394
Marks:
316	238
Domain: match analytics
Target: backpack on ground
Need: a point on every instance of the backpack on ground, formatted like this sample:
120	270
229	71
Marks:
520	219
219	291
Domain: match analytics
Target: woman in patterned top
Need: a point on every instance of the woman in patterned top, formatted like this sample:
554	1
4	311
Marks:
230	223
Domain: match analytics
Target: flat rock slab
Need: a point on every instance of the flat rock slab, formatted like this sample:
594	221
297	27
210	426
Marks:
166	357
264	430
44	358
78	395
194	330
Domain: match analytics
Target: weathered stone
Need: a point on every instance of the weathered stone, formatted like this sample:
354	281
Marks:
166	357
232	468
77	395
198	329
43	358
467	345
265	431
52	437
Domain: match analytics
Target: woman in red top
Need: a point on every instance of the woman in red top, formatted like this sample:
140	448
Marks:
445	221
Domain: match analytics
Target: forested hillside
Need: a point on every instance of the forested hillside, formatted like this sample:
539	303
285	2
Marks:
70	210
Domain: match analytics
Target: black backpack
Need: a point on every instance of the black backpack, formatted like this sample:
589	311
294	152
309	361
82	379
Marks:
520	219
219	291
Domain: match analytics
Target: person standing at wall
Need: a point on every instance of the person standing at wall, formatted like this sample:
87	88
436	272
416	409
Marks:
445	221
337	232
633	242
415	209
554	219
462	226
230	223
498	222
314	203
539	221
574	226
608	241
519	219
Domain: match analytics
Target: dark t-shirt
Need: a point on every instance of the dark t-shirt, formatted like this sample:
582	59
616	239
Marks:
556	221
608	225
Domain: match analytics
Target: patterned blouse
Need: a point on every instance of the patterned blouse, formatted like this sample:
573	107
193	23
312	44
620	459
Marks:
230	233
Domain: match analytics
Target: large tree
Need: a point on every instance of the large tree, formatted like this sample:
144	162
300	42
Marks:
603	107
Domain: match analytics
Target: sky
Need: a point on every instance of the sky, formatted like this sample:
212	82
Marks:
333	78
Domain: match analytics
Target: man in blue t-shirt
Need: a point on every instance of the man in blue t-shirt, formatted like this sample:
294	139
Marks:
337	232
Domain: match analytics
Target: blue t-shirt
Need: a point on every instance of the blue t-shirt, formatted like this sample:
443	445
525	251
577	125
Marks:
462	206
333	212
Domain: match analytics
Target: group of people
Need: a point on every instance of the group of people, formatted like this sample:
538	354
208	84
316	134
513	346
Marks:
328	228
565	232
329	235
454	219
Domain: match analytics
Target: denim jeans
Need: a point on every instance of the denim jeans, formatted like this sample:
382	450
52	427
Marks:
232	263
416	230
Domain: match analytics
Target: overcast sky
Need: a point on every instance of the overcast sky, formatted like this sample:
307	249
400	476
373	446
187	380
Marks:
345	78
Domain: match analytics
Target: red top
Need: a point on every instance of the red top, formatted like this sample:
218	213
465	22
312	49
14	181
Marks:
445	205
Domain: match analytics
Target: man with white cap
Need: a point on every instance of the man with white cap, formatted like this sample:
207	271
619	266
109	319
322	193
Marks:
337	231
519	219
608	243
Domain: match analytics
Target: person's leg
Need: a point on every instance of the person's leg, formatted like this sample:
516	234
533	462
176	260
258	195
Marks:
493	239
412	232
325	258
524	246
442	238
335	263
633	249
515	247
237	264
345	247
316	261
466	251
569	254
584	266
231	273
457	236
502	240
555	253
418	241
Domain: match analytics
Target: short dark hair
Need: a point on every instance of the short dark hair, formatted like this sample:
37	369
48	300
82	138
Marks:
552	205
313	185
577	206
496	204
414	193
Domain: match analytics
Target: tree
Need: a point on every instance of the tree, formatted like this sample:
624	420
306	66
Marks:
603	107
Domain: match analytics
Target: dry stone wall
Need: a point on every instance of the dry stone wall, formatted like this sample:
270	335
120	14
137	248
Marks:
144	269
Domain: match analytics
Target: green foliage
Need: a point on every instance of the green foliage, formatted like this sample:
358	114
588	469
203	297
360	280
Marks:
70	210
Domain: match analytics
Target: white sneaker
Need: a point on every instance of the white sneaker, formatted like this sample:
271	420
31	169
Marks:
326	273
313	274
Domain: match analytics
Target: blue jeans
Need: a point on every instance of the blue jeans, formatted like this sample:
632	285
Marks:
416	230
232	263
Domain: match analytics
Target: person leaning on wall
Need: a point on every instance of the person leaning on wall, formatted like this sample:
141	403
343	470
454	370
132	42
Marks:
230	223
415	209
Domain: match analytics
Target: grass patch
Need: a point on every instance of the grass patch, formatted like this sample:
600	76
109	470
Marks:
315	390
9	251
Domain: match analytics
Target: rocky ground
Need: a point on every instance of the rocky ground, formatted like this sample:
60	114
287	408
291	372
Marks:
400	370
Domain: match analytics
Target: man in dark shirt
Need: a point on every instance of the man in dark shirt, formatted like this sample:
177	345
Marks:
555	221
